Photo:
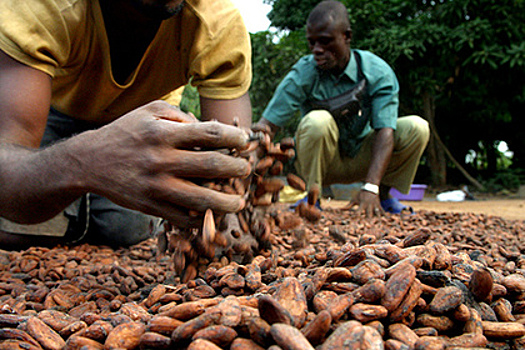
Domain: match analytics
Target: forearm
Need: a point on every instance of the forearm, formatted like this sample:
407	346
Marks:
383	145
35	185
236	111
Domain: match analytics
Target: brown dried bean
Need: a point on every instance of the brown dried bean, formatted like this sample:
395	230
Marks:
152	340
397	286
217	334
446	299
76	342
202	344
164	325
44	335
344	336
291	295
289	337
503	330
366	312
316	330
17	334
259	331
245	344
186	330
403	333
125	336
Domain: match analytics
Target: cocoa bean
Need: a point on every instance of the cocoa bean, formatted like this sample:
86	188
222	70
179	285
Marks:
125	336
289	337
218	334
44	335
366	313
446	299
291	295
245	344
186	330
397	286
503	330
273	312
403	333
296	182
316	330
151	340
347	335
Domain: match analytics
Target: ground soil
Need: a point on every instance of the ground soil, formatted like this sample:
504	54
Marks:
506	207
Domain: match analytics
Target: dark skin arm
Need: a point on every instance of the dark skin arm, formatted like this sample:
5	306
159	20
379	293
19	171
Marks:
141	161
382	148
238	110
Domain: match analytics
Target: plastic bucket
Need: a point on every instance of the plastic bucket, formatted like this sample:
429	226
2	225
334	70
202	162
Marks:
417	192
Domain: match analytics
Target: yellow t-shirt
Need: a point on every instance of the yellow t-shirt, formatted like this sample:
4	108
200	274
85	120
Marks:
207	42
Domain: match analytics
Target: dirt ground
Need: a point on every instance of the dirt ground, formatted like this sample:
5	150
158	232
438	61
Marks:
507	208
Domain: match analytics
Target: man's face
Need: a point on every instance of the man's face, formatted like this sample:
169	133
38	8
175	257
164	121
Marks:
329	44
159	9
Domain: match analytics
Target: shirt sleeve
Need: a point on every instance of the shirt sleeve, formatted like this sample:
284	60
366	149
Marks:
221	65
384	93
34	33
288	97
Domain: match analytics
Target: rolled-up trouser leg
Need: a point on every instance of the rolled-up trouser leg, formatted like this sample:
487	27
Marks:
319	161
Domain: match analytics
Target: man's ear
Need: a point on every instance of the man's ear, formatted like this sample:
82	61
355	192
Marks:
348	36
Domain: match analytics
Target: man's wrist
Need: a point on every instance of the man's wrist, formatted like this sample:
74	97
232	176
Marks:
370	187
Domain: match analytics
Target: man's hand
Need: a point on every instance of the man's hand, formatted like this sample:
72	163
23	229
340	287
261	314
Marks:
367	202
146	160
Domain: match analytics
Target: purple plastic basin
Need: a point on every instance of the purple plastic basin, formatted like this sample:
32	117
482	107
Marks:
416	193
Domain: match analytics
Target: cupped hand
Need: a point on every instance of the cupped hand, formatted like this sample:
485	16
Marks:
146	160
366	202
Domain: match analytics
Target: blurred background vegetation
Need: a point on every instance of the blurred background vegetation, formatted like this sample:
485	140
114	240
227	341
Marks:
460	64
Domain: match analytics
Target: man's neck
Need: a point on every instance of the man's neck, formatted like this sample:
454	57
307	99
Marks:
129	34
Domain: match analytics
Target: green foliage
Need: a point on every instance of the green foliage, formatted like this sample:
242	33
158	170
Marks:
467	54
190	101
271	62
291	14
509	179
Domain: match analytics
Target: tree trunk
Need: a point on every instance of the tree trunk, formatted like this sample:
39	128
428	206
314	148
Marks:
437	150
435	153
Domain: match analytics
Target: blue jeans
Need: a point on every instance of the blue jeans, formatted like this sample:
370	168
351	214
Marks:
95	219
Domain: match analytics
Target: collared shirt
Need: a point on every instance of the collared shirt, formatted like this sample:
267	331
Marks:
306	82
206	43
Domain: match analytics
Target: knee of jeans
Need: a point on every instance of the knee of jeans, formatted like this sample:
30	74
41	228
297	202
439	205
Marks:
122	229
419	128
316	124
422	129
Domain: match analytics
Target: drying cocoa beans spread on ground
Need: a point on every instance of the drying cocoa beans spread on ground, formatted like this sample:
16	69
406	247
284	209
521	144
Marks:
272	278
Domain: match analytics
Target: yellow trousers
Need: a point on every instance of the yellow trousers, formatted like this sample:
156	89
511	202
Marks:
318	160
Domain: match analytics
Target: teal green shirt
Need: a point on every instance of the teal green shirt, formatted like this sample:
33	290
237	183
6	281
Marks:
305	82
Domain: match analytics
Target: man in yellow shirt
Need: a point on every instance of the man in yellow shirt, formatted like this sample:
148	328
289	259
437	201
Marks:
84	133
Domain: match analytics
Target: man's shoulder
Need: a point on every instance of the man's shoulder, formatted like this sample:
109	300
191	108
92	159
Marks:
369	56
305	67
370	59
212	11
48	6
306	62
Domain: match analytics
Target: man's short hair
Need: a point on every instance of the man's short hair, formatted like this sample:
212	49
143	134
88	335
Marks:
332	9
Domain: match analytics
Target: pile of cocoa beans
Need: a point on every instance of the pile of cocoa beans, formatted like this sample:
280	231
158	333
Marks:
237	236
423	281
